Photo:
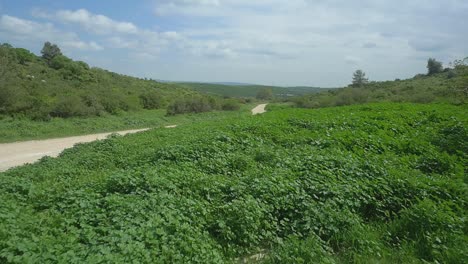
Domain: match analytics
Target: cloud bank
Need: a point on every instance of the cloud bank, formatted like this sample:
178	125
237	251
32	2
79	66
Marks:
294	42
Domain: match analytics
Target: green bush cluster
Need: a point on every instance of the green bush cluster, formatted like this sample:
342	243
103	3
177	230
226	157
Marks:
201	103
375	183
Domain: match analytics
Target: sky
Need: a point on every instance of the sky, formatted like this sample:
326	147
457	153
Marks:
271	42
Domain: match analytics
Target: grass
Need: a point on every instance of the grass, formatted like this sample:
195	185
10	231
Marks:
378	183
13	129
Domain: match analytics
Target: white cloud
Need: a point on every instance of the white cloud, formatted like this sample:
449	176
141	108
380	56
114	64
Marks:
26	31
308	34
96	23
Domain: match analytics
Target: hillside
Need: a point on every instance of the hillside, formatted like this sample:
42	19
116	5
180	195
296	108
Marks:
378	183
41	88
450	85
249	90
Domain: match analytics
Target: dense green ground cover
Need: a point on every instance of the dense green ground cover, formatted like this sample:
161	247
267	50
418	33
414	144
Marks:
19	129
382	183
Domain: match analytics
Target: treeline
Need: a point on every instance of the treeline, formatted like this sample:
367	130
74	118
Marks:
439	84
53	85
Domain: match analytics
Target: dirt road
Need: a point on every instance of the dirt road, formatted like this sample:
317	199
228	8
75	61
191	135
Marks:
259	109
19	153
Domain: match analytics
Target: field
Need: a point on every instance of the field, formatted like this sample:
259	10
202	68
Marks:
249	90
374	183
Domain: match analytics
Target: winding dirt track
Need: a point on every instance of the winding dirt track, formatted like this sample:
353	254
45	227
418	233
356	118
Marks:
19	153
259	109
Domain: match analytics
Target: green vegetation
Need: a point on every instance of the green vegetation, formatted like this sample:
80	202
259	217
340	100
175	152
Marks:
40	88
199	104
375	183
18	129
450	86
265	94
251	91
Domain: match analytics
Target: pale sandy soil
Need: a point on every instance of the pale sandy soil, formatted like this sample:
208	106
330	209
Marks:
19	153
259	109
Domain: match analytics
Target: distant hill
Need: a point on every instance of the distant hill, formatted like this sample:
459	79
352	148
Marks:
232	83
248	90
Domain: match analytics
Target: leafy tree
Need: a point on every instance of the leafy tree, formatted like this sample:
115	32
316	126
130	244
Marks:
359	78
434	66
265	94
50	51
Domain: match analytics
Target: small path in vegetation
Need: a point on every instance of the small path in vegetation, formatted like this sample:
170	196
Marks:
20	153
259	109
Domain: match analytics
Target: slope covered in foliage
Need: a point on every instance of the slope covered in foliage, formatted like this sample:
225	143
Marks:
56	86
450	85
374	183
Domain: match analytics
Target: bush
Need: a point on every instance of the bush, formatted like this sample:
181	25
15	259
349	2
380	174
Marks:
151	100
24	56
69	106
230	105
60	62
192	104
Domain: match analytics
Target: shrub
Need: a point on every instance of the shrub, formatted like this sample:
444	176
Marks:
230	105
69	106
192	104
151	100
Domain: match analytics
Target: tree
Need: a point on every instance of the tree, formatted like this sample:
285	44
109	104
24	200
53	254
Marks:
359	78
50	51
434	66
265	94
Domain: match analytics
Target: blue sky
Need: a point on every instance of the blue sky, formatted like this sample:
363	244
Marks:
273	42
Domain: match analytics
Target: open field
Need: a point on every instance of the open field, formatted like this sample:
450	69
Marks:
375	183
